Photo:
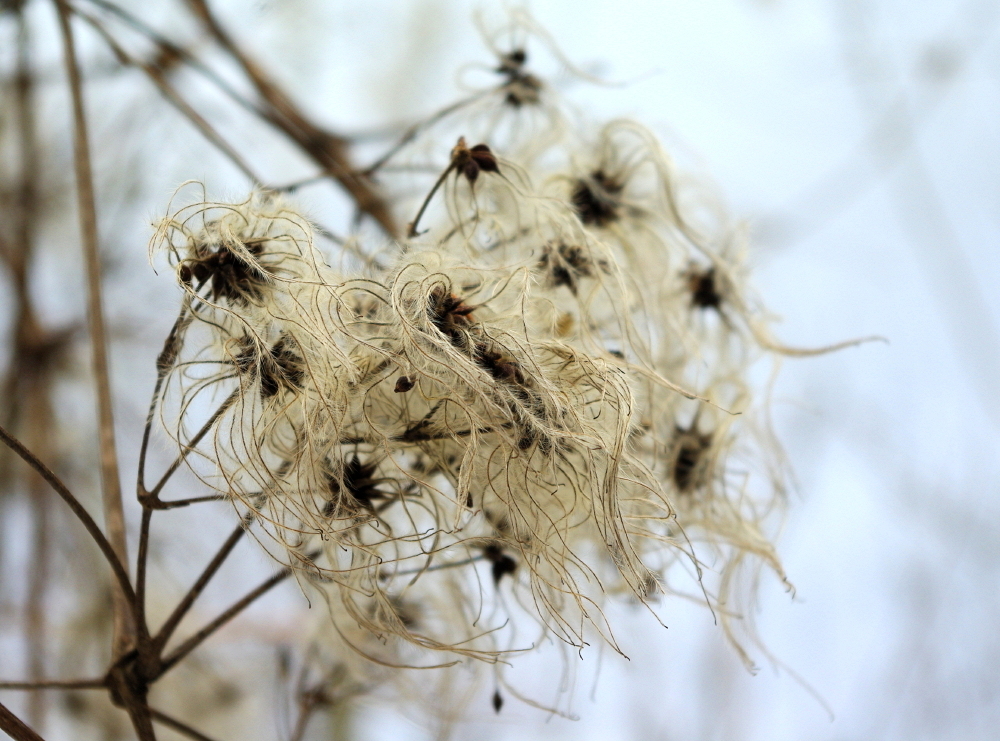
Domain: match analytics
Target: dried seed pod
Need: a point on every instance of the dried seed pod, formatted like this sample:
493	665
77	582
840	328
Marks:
703	285
403	384
471	161
280	368
231	270
687	456
596	199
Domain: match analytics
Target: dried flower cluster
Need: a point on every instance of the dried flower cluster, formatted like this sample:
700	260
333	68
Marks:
536	399
518	386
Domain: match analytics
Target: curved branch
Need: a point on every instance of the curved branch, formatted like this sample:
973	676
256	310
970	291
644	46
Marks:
78	509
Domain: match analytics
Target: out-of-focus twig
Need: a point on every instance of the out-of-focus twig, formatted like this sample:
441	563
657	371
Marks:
198	638
158	77
15	727
326	149
74	504
182	728
114	515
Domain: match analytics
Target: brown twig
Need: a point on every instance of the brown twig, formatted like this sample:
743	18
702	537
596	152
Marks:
56	684
326	149
165	362
308	702
182	728
169	50
151	497
171	623
31	366
411	231
157	75
15	727
160	504
124	626
78	509
198	638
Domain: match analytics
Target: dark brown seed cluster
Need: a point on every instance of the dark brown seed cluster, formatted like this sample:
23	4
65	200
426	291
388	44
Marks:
687	458
520	87
565	265
403	384
356	489
499	365
704	289
470	162
453	318
596	199
229	276
450	315
502	563
281	368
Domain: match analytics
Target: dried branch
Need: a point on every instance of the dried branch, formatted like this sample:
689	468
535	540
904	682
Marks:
326	149
56	684
165	632
157	75
183	728
74	504
124	626
198	638
152	496
15	727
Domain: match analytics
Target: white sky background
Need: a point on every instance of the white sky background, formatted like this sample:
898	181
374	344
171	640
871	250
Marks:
859	139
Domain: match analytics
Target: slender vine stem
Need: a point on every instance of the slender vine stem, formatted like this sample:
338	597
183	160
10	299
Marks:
154	493
182	728
158	77
326	149
117	568
412	232
171	623
198	638
56	684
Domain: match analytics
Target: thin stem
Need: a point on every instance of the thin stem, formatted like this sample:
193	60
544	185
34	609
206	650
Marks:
411	133
32	367
177	503
141	717
114	514
56	684
151	501
440	566
165	361
155	493
198	638
412	231
414	435
142	559
15	727
164	634
183	728
308	703
121	575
